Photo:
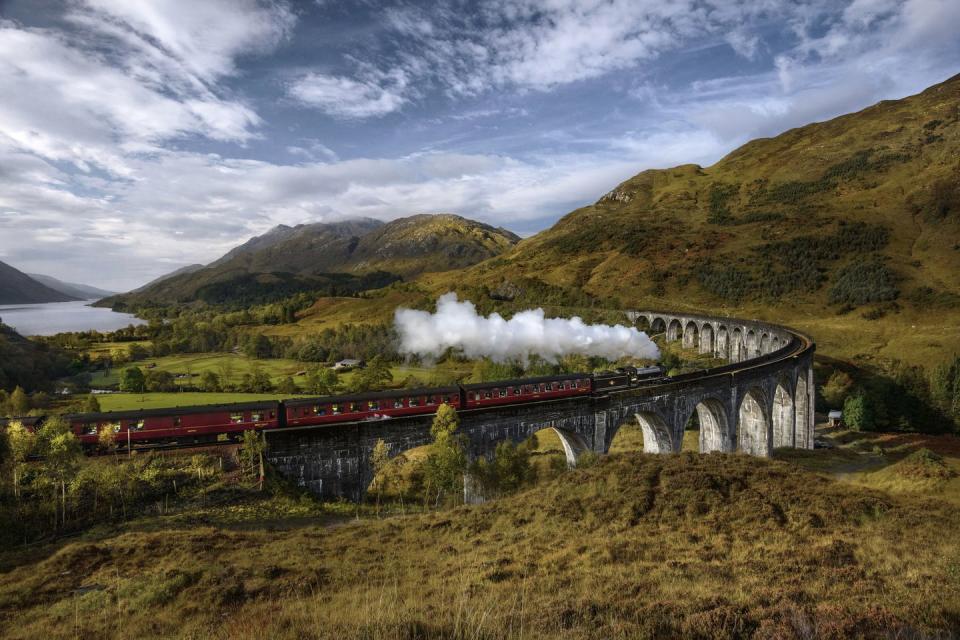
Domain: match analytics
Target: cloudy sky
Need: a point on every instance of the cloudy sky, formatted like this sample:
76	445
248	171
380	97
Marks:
136	137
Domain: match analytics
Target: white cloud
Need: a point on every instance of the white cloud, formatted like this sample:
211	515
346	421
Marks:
376	95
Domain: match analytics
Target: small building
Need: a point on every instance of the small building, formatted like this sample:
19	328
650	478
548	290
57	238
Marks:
835	418
347	364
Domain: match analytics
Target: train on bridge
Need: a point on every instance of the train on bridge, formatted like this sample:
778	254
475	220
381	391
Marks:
204	424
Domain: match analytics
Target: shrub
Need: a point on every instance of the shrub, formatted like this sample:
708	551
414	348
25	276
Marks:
858	413
863	282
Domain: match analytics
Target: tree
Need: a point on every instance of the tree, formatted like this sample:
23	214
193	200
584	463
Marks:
836	389
260	381
288	387
19	403
374	376
258	346
91	404
133	380
507	471
23	443
137	351
61	454
447	459
858	413
253	446
210	381
379	459
323	381
106	439
158	380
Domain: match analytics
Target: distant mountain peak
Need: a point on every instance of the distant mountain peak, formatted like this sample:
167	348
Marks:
16	287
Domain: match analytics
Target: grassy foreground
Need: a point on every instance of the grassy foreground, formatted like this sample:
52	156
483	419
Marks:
636	546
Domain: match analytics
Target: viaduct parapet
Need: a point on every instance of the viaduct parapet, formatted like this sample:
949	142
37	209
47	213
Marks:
760	400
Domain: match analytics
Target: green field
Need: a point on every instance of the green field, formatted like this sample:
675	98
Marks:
232	367
129	401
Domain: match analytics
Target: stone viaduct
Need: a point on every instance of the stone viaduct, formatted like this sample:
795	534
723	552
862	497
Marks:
760	400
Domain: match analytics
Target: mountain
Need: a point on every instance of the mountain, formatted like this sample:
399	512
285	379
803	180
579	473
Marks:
17	287
330	259
859	211
190	268
81	291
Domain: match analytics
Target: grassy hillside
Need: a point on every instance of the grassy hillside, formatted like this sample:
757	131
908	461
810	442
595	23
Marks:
331	259
716	546
848	229
28	364
861	211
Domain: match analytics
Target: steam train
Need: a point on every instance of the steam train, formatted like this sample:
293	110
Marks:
195	425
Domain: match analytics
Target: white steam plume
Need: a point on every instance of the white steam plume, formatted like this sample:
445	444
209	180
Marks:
457	324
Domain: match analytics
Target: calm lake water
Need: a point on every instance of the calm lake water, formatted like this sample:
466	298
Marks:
58	317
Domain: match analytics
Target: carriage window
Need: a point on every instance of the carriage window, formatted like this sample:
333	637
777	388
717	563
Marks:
319	410
236	418
373	405
257	417
487	395
115	426
176	421
431	400
335	409
398	403
136	425
502	392
450	399
90	428
413	402
272	415
516	391
353	407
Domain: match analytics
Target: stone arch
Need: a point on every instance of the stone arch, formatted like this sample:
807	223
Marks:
751	345
573	445
753	423
642	323
656	434
765	344
674	330
706	338
736	345
803	432
722	348
782	417
714	427
775	344
658	325
691	336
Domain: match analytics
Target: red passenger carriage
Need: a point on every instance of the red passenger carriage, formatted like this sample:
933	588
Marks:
179	424
375	405
485	394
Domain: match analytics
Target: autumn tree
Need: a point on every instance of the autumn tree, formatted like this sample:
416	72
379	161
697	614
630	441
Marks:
447	460
61	457
379	459
837	388
23	443
19	402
